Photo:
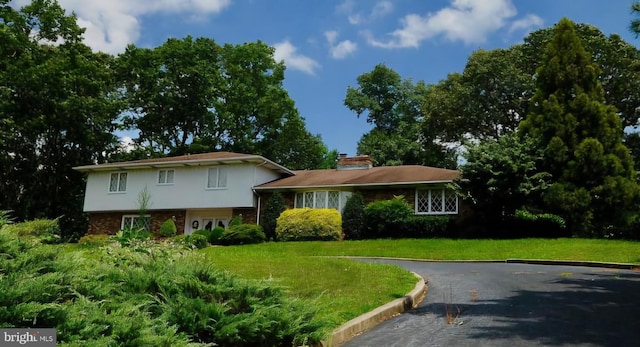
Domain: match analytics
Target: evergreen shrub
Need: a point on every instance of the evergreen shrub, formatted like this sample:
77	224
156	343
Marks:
168	228
424	227
307	224
242	234
353	220
384	218
273	208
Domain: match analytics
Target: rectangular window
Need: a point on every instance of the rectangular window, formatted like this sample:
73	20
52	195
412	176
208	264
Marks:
136	222
319	199
217	177
118	182
436	201
165	176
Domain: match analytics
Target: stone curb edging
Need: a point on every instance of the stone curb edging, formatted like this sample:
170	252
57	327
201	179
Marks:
372	318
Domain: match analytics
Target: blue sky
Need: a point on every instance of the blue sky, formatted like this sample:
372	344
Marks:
327	44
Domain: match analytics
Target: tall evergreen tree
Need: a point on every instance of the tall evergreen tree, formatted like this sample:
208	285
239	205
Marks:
594	185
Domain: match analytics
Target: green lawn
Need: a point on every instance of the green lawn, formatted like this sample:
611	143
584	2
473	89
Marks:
344	289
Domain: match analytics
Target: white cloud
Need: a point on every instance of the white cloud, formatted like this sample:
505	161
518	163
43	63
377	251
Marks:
341	49
127	144
112	25
469	21
526	24
286	51
379	10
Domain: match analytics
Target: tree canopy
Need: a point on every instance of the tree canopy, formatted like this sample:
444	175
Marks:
594	184
58	110
61	104
392	105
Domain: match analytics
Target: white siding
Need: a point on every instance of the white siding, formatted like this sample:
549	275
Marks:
189	190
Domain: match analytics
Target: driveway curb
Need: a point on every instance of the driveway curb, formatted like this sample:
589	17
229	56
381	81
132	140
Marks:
372	318
622	266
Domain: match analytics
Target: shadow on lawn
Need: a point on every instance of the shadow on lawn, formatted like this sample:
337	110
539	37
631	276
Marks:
601	310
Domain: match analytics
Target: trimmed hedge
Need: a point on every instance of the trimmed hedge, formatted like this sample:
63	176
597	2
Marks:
307	224
528	224
424	227
242	234
168	228
384	218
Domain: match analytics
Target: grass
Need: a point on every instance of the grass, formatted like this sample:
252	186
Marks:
448	249
345	289
342	289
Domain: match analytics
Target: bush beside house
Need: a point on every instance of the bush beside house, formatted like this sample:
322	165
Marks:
385	217
307	224
353	220
274	206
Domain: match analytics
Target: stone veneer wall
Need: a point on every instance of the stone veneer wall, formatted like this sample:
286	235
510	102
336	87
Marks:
109	222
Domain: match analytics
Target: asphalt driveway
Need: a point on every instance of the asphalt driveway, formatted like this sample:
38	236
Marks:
500	304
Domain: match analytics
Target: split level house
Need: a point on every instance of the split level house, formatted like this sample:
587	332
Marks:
205	190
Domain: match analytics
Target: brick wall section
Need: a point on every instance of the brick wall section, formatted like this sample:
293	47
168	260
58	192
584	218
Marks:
248	214
109	222
289	200
159	217
104	222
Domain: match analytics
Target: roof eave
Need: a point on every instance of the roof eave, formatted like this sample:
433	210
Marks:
345	185
195	162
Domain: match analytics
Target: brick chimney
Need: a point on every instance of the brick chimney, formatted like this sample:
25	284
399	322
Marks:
360	162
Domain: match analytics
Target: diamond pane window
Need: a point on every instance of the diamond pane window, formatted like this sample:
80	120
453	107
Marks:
333	200
299	200
450	201
436	201
118	182
423	201
308	199
222	177
321	200
113	183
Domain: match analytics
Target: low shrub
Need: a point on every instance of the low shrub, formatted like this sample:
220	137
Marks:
204	232
37	227
165	296
307	224
383	218
424	227
168	228
528	224
5	218
353	220
215	235
125	236
242	234
193	241
237	220
94	240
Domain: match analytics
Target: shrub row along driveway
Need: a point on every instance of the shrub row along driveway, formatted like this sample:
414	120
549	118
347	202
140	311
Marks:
500	304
